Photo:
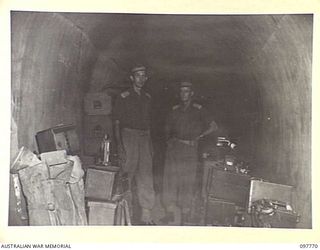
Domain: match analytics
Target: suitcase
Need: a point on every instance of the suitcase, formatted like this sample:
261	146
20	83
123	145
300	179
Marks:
58	138
281	219
229	186
273	214
220	212
267	190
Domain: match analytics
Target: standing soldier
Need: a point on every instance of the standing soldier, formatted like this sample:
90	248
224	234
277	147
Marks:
132	128
186	124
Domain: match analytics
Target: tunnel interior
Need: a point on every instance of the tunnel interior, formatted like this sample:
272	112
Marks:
252	72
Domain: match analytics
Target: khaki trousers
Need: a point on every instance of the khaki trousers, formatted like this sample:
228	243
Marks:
138	164
179	175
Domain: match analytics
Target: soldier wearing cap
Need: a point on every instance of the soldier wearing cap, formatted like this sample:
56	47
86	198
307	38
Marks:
186	124
132	128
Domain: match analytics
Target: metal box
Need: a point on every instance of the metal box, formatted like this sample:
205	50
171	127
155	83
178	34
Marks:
58	138
229	186
101	213
99	183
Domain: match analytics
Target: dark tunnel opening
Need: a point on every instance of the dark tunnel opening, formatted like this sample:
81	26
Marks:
252	72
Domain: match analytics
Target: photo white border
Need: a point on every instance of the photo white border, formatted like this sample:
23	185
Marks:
154	234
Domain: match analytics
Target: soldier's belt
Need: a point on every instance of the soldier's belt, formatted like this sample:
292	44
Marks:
187	142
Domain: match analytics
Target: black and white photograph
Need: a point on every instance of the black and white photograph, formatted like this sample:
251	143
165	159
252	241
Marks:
122	119
147	124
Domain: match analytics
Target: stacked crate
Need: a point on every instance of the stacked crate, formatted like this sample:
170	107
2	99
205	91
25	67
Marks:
229	197
105	203
225	194
97	121
99	187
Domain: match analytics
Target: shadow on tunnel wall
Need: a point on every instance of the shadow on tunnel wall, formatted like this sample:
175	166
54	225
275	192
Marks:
253	73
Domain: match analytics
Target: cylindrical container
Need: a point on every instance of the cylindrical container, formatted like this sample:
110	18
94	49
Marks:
106	150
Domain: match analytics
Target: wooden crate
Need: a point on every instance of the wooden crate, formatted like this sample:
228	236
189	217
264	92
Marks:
99	184
101	213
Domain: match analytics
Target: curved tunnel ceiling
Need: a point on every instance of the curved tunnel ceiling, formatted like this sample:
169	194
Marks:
216	52
181	46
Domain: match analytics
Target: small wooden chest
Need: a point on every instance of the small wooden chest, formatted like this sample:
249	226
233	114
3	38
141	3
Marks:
99	183
101	213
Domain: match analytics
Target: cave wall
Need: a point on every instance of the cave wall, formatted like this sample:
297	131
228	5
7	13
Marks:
282	70
51	63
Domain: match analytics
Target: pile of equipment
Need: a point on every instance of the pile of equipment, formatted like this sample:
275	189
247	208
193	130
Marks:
232	197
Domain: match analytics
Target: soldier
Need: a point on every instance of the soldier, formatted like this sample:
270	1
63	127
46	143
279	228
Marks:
132	129
186	124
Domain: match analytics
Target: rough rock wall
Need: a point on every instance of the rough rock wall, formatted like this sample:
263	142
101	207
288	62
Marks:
51	64
282	69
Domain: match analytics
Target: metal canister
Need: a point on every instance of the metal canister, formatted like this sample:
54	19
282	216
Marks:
106	150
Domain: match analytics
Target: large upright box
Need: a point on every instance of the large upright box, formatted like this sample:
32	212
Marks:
97	104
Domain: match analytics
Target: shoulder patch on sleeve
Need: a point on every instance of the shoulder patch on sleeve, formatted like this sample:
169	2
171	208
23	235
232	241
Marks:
148	95
196	105
175	107
125	94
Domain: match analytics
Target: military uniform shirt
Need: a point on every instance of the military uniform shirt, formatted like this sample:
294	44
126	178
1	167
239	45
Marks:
187	124
133	110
